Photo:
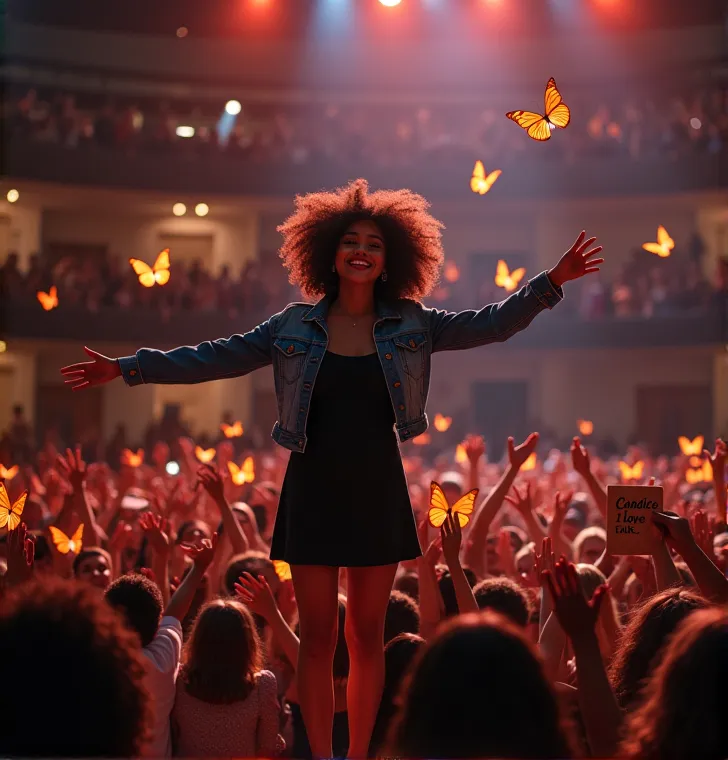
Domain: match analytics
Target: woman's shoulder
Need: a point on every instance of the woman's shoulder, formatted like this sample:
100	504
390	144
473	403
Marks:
265	679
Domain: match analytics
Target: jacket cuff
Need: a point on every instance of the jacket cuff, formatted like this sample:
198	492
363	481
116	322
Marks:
130	371
546	292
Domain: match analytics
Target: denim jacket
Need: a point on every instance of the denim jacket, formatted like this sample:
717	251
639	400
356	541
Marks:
295	341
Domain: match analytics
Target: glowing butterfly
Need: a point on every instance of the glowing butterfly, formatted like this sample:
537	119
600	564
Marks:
691	448
8	473
10	513
451	271
539	127
158	274
63	543
283	570
481	182
530	463
586	427
243	474
442	423
422	440
232	431
695	462
128	457
631	473
461	456
48	300
439	507
663	246
204	455
506	279
703	474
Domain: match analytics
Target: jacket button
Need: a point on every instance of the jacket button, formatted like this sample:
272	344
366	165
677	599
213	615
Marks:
401	407
397	384
412	343
300	443
132	372
387	356
290	349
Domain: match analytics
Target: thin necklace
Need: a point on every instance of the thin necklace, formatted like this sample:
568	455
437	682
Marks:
352	317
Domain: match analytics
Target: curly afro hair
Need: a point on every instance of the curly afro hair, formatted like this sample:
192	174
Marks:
412	238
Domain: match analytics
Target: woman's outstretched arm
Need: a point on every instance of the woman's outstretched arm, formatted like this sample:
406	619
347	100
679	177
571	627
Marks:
452	331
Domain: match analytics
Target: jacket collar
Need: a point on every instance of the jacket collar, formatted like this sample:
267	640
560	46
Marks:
318	312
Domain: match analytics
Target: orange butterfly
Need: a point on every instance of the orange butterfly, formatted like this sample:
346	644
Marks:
8	473
10	513
703	474
158	274
539	127
530	463
244	473
440	509
48	300
128	457
481	182
663	246
631	473
506	279
232	431
422	440
451	271
283	570
691	448
442	423
63	543
586	427
461	456
204	455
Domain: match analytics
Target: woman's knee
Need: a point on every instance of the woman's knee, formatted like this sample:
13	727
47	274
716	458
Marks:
318	639
364	637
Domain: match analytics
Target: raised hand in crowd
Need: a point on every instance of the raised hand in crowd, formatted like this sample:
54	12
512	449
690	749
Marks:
20	547
451	539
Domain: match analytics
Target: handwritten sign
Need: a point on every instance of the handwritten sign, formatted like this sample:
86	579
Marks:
629	518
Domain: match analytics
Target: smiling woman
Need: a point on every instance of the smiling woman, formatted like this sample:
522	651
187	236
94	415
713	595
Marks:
352	374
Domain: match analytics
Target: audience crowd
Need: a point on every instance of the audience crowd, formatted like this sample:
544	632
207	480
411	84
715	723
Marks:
140	614
640	124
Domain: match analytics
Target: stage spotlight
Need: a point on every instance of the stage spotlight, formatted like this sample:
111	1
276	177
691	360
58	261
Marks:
12	195
202	209
390	3
233	107
695	123
179	209
185	131
172	468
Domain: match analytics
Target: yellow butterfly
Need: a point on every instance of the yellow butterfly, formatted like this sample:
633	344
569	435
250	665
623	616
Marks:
461	455
8	473
158	274
691	448
442	423
128	457
243	474
439	507
703	474
586	427
63	543
507	279
204	455
232	431
10	514
283	570
539	127
530	463
48	300
481	182
631	473
663	246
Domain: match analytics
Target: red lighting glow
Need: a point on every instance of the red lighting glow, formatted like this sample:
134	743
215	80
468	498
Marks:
390	3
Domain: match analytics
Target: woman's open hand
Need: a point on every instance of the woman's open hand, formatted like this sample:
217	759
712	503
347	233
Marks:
577	261
100	370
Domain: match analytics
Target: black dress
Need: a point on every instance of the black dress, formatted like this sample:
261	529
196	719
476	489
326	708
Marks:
344	501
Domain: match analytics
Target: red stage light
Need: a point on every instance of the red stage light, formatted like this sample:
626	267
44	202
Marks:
390	3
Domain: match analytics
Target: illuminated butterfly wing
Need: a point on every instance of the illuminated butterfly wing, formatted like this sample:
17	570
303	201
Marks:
463	507
48	300
204	455
10	515
76	543
8	473
236	474
502	275
60	540
144	272
664	239
530	463
691	448
248	470
491	178
161	268
461	455
536	126
517	276
656	248
631	473
438	506
283	569
477	181
557	112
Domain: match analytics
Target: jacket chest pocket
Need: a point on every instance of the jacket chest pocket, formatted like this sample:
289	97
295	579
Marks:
290	358
411	351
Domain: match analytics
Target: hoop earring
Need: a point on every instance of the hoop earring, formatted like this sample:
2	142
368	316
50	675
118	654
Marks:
384	276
